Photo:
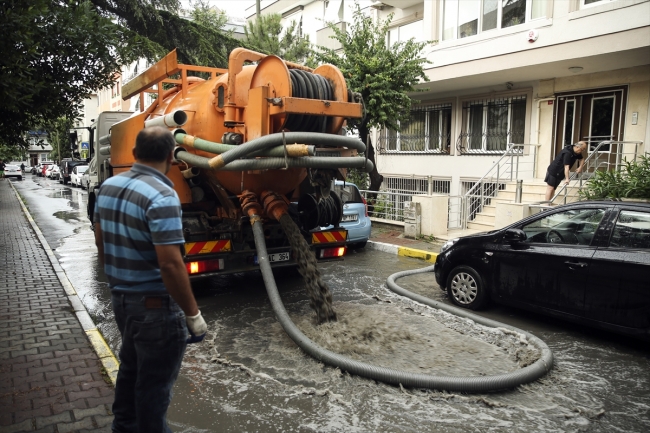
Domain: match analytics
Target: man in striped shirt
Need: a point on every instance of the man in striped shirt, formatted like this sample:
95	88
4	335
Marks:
138	232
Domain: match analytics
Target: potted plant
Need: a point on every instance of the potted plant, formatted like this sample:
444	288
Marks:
632	182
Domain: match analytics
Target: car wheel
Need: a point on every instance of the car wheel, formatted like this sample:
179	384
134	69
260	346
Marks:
20	178
358	245
465	288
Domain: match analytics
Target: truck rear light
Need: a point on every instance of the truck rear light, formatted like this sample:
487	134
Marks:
326	253
204	266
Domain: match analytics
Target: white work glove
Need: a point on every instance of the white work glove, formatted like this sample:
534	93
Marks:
197	328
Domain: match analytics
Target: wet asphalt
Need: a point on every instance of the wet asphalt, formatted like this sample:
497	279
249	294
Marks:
249	376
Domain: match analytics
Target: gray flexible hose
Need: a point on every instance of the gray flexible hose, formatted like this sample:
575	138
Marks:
219	148
277	139
388	375
275	163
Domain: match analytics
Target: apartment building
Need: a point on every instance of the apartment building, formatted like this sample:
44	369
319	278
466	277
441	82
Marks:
543	72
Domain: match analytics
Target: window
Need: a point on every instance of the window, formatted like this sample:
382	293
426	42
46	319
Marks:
573	227
464	18
632	230
589	3
489	125
414	30
427	131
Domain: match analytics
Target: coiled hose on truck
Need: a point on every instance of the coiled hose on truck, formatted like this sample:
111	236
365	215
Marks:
397	377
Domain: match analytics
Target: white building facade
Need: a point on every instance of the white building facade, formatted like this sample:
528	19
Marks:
543	72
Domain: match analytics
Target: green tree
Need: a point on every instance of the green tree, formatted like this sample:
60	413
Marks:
267	36
154	28
383	75
54	53
59	134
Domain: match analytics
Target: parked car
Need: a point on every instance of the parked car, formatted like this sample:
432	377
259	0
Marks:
44	168
38	170
355	214
66	169
587	262
77	172
13	171
48	170
55	172
90	175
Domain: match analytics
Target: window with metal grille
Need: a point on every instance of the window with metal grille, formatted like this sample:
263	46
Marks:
427	131
489	125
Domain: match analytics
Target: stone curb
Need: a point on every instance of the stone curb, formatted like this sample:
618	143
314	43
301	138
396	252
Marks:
427	256
103	351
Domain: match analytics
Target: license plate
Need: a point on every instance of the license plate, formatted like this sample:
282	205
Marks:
277	257
349	218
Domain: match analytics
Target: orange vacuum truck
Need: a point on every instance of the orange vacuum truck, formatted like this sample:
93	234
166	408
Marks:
259	141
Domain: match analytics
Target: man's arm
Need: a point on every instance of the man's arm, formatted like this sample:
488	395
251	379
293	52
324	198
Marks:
175	278
99	241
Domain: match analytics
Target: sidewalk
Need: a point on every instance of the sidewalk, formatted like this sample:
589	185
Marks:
50	377
390	239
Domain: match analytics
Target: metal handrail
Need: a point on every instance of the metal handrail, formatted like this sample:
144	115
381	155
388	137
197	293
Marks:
514	172
596	151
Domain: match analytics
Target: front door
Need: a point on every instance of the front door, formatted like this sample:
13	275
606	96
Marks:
591	116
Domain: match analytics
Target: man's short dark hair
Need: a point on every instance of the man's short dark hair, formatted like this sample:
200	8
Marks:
154	144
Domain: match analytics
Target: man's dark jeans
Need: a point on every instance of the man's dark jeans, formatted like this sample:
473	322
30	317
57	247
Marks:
153	333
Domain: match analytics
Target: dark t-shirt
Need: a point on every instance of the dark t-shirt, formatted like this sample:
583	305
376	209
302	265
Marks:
566	157
2	166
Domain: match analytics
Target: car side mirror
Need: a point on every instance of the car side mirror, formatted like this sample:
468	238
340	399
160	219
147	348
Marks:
514	235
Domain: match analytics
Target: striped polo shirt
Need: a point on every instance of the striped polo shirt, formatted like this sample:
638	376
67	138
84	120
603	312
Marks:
137	210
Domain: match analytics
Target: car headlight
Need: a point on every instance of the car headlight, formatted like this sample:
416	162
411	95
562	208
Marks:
448	245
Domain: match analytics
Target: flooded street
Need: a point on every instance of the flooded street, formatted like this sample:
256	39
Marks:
249	376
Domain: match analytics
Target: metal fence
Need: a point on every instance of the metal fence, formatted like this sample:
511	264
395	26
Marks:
388	204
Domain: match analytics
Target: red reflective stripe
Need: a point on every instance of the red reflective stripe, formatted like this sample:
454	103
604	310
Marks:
219	246
196	248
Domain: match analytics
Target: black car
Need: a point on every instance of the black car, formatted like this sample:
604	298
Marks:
588	262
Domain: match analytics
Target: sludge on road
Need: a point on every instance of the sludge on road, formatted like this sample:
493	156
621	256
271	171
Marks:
251	377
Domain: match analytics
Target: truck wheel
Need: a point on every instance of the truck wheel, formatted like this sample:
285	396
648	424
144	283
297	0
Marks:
466	289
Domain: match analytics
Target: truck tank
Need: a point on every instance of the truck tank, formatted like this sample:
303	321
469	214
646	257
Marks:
262	140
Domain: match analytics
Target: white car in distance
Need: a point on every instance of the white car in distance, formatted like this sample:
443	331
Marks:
77	173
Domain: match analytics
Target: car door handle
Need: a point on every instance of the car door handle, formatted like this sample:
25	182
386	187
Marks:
574	265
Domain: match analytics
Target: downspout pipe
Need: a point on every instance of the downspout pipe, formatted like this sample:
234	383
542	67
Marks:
387	375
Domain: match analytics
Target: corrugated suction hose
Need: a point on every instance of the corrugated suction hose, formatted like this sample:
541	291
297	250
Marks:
396	377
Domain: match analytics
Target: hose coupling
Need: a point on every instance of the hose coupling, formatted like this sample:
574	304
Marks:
250	205
275	205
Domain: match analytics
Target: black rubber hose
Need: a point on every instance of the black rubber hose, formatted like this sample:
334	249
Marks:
388	375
